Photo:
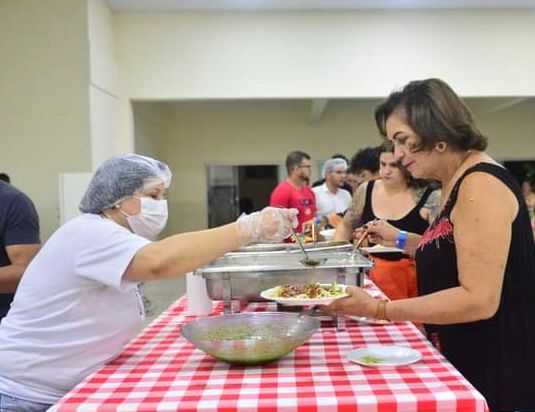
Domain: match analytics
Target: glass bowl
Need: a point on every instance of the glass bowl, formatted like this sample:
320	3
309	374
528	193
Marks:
250	338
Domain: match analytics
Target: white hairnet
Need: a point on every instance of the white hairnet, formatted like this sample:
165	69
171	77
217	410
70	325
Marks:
119	177
331	165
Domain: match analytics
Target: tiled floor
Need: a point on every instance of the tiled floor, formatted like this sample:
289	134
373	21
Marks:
160	294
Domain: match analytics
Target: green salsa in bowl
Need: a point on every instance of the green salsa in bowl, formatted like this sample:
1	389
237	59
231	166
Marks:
250	338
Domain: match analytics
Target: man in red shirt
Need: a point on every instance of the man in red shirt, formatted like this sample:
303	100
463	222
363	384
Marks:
294	192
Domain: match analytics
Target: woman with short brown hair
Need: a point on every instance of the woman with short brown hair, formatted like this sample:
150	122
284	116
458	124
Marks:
476	262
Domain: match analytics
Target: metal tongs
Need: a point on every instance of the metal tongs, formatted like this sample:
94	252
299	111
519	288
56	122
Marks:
362	238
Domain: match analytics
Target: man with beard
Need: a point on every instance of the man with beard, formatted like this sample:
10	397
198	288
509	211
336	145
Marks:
346	185
294	192
330	197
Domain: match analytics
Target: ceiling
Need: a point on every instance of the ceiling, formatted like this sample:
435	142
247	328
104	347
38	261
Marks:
327	5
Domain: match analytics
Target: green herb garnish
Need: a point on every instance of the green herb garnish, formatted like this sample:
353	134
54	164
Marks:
241	332
372	360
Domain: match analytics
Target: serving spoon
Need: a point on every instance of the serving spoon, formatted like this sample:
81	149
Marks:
307	261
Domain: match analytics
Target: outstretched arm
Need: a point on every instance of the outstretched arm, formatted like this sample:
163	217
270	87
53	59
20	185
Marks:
179	254
484	212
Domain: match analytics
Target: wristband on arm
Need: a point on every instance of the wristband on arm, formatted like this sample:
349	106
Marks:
401	239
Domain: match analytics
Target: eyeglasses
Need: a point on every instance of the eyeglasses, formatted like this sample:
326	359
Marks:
305	166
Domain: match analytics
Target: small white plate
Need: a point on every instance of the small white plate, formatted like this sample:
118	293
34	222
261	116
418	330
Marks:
379	356
381	249
301	302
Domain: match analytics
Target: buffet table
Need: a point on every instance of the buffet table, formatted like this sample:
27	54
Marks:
161	371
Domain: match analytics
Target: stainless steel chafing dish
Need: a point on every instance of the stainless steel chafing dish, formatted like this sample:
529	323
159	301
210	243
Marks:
243	274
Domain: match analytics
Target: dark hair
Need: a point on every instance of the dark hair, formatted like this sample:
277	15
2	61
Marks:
294	159
432	109
365	159
5	177
339	156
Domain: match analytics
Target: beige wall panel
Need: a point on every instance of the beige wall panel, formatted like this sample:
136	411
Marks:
44	101
264	132
323	54
511	133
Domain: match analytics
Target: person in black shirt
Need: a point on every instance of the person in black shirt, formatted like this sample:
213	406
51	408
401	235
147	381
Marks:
406	203
19	240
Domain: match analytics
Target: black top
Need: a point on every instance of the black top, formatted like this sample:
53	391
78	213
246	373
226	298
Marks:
496	355
411	222
19	225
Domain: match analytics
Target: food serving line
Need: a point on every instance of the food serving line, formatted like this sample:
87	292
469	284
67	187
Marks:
161	371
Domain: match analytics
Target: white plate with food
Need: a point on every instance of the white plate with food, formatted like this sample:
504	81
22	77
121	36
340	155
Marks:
384	356
313	293
382	249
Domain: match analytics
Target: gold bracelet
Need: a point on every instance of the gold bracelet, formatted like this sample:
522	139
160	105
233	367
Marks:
380	314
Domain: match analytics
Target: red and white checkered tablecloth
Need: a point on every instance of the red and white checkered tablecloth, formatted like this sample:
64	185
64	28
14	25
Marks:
161	371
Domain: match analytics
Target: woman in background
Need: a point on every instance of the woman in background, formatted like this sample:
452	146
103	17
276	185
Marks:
403	202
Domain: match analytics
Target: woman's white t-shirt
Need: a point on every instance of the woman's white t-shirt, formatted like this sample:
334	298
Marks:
72	311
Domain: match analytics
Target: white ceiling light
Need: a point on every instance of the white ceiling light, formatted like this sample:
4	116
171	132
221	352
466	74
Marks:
215	5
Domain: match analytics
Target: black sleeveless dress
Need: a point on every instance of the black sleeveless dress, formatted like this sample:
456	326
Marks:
496	355
411	222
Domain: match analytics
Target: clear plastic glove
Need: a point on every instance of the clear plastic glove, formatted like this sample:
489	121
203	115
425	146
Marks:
271	224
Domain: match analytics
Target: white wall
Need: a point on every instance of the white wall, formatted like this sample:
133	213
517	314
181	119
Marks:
44	105
293	55
69	69
103	113
189	136
103	86
323	54
154	129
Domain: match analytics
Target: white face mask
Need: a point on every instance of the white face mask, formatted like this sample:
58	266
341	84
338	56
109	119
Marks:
151	220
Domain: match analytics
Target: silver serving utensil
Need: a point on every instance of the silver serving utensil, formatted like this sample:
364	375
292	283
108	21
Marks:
307	261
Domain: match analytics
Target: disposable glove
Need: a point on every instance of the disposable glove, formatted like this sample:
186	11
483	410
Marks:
270	225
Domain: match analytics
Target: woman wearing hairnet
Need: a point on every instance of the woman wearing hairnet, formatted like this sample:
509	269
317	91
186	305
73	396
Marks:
78	303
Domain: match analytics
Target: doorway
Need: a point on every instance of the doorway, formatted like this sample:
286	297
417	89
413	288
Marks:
236	189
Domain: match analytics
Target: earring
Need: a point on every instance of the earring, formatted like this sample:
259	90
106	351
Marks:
441	146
